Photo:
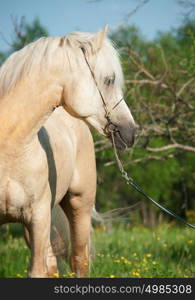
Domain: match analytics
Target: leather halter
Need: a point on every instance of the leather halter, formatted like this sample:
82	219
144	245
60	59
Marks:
110	126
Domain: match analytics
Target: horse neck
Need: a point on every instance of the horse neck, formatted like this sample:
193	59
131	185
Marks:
25	108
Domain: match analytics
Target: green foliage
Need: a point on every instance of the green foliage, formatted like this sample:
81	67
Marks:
23	34
121	251
168	175
140	252
2	57
180	44
157	178
125	37
27	33
13	253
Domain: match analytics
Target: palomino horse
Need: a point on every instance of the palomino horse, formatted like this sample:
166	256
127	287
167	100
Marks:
47	154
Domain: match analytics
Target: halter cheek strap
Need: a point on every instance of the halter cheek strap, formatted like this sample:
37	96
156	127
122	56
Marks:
110	127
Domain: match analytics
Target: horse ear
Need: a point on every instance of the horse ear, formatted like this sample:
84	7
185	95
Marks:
99	38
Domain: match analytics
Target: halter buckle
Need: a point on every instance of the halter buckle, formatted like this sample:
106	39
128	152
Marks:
110	128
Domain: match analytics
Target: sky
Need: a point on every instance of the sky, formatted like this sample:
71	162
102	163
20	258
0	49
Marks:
64	16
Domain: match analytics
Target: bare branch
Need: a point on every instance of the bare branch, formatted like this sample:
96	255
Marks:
146	81
138	160
163	58
148	157
18	25
141	4
184	86
172	146
187	4
104	147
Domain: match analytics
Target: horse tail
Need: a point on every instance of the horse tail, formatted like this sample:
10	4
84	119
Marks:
60	231
113	215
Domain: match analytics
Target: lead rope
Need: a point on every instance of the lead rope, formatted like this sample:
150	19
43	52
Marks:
129	181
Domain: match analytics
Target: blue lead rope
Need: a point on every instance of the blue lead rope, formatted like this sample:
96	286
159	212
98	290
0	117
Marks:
131	182
168	211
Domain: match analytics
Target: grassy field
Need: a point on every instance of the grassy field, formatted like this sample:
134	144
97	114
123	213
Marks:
121	251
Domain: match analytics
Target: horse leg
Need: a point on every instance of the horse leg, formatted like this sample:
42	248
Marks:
51	262
52	267
39	232
78	209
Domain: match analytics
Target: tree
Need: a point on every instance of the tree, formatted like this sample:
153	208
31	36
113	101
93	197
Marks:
160	89
25	33
2	57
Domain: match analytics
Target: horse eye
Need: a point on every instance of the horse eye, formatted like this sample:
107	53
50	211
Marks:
109	80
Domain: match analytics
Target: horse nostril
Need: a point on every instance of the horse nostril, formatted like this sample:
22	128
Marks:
132	135
133	140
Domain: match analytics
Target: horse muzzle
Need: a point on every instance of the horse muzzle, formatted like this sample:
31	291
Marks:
122	136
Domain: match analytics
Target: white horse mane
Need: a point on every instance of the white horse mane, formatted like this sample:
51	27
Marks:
41	53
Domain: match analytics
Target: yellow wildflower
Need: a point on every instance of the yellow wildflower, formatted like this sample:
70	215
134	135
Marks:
148	255
117	261
56	275
70	274
144	261
126	261
135	273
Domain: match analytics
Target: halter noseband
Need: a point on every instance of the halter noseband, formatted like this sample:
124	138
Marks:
110	126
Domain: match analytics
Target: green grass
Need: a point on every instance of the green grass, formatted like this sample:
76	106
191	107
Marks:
121	251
